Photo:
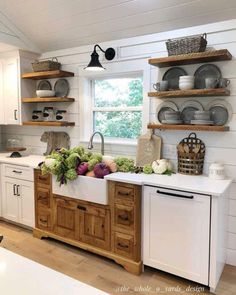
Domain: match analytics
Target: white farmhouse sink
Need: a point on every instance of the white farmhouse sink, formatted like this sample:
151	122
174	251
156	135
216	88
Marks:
83	188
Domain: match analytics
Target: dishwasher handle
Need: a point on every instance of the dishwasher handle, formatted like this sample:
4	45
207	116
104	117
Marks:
174	195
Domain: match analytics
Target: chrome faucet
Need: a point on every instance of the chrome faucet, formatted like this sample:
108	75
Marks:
90	145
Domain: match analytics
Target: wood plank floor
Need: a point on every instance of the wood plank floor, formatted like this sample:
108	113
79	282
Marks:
103	273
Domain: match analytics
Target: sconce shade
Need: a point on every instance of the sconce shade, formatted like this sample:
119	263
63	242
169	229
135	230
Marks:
94	64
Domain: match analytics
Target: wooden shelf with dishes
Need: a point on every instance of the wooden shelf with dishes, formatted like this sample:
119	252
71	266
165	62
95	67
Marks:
49	123
47	99
47	75
191	58
190	93
186	59
188	127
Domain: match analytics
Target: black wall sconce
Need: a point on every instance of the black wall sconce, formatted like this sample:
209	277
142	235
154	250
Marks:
95	64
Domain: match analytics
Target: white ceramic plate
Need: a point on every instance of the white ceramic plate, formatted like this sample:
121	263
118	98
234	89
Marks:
187	110
163	107
222	114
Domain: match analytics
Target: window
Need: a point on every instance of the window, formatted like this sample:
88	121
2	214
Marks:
117	106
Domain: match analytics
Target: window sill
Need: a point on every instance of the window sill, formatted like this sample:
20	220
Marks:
132	142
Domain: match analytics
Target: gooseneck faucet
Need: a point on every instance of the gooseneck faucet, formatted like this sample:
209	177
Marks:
90	145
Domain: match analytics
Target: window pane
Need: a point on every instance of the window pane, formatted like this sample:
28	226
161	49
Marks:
118	124
118	92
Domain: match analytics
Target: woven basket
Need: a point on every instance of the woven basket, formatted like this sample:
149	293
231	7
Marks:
46	65
186	45
191	163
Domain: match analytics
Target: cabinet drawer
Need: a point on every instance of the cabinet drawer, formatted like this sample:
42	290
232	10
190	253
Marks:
124	245
44	220
42	179
124	193
18	172
43	197
123	216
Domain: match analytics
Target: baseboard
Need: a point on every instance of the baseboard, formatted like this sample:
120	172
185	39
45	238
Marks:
231	257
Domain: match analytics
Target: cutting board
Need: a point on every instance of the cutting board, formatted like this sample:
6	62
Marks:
148	149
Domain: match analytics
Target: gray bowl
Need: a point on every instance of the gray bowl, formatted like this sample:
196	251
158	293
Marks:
172	115
202	115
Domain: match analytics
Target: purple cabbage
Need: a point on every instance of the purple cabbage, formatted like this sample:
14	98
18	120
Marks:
82	168
101	170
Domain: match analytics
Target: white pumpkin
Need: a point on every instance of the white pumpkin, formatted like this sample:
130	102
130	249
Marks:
160	166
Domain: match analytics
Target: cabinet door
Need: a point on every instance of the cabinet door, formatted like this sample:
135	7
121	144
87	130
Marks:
25	192
11	91
1	94
10	200
64	217
94	226
176	232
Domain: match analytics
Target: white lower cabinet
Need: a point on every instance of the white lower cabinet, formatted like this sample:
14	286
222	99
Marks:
18	199
176	232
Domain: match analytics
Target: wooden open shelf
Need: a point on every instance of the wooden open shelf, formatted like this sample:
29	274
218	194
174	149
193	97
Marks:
190	93
188	127
191	58
44	123
47	99
47	75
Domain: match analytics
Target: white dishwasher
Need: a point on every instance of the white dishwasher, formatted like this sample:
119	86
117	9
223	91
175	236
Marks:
176	232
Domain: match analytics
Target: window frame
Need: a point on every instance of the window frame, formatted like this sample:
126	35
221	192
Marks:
114	69
114	109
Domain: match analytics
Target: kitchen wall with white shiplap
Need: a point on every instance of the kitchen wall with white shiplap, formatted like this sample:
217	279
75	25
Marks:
220	146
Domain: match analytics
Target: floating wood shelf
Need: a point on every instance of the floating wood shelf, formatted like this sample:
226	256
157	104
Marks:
188	127
47	99
56	124
191	58
47	75
190	93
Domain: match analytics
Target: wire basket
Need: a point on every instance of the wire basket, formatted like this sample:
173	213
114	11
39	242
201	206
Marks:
191	154
46	65
186	45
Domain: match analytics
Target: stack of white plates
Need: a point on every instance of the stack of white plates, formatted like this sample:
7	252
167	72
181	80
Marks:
202	122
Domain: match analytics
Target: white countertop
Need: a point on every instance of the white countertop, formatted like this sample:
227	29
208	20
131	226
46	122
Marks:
19	275
198	184
28	161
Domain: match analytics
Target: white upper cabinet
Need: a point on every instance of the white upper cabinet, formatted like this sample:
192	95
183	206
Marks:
13	88
11	91
1	94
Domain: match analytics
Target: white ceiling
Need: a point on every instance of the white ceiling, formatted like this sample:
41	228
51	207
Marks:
58	24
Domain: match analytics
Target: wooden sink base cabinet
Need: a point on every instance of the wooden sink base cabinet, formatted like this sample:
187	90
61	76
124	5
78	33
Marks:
112	230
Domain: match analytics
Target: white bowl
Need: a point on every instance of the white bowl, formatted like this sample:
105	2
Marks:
186	86
186	77
45	93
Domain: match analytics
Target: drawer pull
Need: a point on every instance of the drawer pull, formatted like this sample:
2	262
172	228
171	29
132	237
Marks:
16	171
123	217
42	197
123	245
123	194
174	195
17	191
81	208
14	190
42	220
42	177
